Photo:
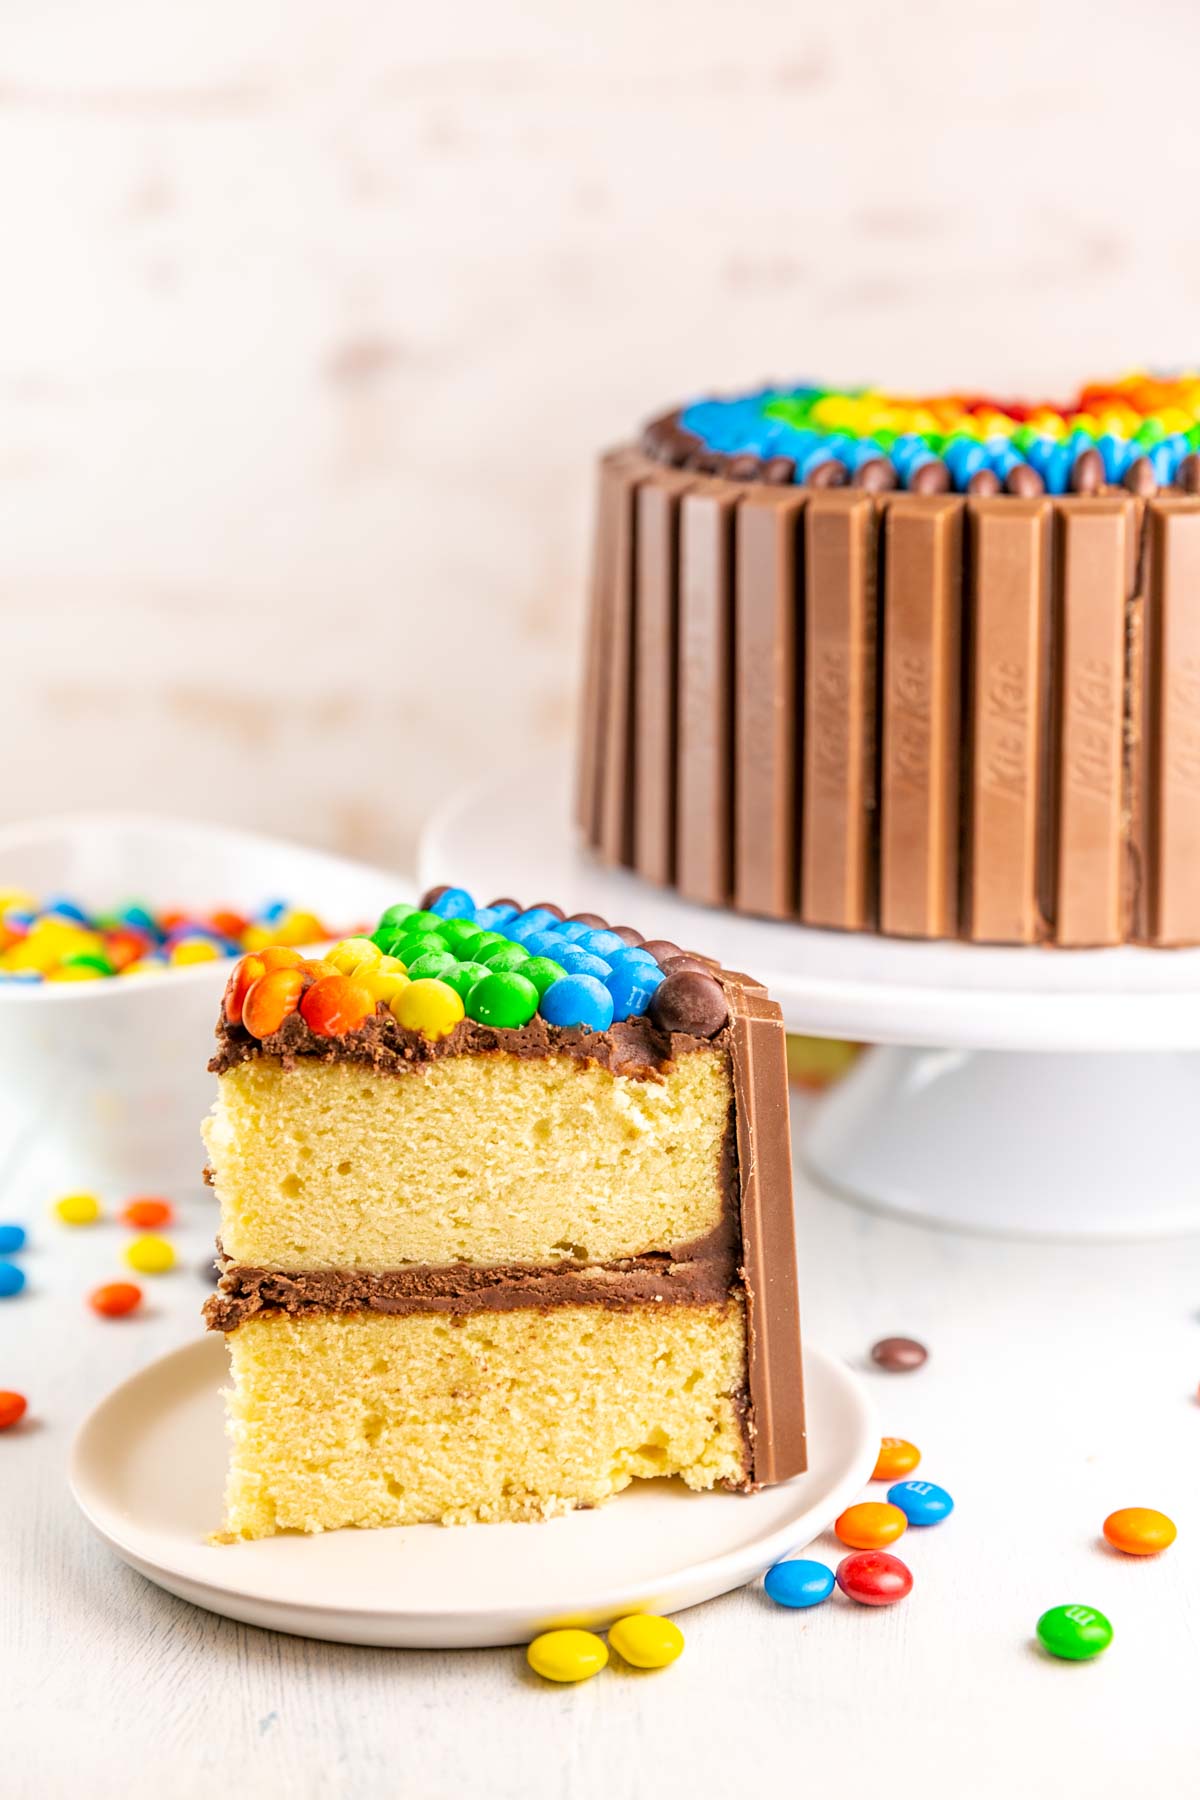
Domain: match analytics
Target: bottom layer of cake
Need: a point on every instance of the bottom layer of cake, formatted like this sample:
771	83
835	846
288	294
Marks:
373	1419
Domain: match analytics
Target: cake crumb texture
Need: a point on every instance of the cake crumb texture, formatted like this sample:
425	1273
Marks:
477	1159
370	1420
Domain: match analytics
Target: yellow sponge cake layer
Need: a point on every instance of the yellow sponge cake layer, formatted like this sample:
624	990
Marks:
366	1419
473	1159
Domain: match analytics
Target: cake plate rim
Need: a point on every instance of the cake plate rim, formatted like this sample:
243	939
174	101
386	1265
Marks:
143	1432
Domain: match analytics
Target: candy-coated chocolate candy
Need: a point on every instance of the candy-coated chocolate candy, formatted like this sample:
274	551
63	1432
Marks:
646	1641
115	1299
488	917
504	999
336	1005
921	1502
416	944
12	1239
632	986
432	963
630	954
422	920
487	940
526	925
542	971
241	980
871	1525
463	977
150	1255
898	1355
578	1000
148	1213
12	1408
79	971
799	1583
573	930
273	998
453	903
77	1209
502	957
1139	1530
545	943
395	916
429	1006
460	934
600	943
1074	1632
567	1655
353	954
507	905
896	1457
12	1279
194	950
279	956
690	1002
577	961
874	1578
95	960
385	984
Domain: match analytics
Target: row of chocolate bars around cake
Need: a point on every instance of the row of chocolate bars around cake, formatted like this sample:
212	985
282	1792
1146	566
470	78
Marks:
484	1257
927	715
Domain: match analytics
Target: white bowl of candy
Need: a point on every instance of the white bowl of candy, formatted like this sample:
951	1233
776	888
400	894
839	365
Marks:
117	933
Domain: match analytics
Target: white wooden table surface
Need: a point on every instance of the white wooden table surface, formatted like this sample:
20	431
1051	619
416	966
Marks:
1061	1384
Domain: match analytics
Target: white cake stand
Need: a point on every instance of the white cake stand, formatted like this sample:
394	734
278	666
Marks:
1021	1091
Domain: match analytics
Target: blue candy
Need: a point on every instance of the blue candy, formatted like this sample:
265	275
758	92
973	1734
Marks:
573	930
491	918
631	984
921	1502
577	1000
526	926
273	911
601	942
455	903
799	1583
12	1239
629	953
544	943
12	1280
577	961
63	908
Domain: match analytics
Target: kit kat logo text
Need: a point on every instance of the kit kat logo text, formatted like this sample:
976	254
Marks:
829	723
1004	733
1183	726
909	694
1091	730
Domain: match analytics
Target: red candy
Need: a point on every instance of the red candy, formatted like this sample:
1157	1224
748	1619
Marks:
874	1578
147	1214
12	1408
335	1005
115	1299
271	1000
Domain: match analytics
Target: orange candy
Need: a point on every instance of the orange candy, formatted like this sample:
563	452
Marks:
252	969
1139	1530
897	1457
335	1005
115	1299
12	1408
148	1215
272	999
871	1525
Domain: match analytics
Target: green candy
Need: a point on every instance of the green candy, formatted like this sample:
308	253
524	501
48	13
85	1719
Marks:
88	959
463	976
395	916
432	965
413	944
505	1000
542	970
502	957
424	921
1074	1632
459	933
485	941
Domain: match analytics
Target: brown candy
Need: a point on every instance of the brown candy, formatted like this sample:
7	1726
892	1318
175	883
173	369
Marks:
876	476
661	948
743	468
1087	475
1187	475
898	1355
506	900
931	478
674	964
628	935
984	482
432	894
1140	478
592	919
546	906
780	471
1025	482
829	474
691	1002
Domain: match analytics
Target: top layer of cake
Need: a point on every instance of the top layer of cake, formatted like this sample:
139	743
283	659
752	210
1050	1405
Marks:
1141	432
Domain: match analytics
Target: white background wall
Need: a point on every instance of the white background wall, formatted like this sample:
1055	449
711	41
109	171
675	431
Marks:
313	314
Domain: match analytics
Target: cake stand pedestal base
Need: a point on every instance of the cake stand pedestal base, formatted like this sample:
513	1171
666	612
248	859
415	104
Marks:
1022	1145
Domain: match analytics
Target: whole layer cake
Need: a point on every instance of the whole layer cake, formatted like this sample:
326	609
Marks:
506	1222
929	668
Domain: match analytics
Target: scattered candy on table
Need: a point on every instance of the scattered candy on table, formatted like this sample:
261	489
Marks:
150	1255
870	1525
148	1214
898	1355
12	1239
799	1583
874	1578
115	1299
896	1457
1074	1632
567	1655
12	1279
77	1209
12	1407
921	1502
1139	1530
646	1641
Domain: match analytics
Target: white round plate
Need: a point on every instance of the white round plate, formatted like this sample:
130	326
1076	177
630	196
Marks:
830	983
148	1468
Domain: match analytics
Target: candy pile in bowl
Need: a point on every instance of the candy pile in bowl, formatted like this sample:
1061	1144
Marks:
58	939
434	965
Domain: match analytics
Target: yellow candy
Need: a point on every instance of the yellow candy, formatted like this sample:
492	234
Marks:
299	928
428	1006
143	968
353	954
566	1655
385	984
646	1641
259	937
16	900
75	972
77	1209
150	1255
194	950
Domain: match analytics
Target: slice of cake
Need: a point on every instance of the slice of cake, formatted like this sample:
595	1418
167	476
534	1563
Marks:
506	1222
